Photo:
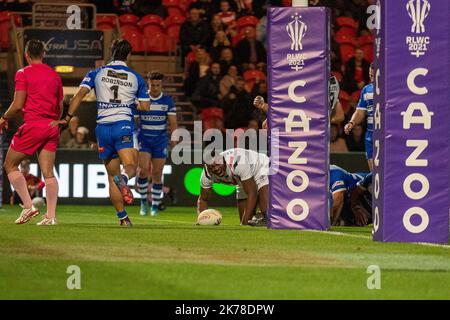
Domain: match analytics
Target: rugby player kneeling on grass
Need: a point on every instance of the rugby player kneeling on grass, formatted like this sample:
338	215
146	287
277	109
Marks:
246	169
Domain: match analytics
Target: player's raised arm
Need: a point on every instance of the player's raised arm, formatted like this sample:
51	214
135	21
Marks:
260	104
142	95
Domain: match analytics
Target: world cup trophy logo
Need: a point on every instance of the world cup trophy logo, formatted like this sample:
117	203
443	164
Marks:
418	10
296	31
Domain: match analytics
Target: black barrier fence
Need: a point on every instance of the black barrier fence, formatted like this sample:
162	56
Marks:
83	180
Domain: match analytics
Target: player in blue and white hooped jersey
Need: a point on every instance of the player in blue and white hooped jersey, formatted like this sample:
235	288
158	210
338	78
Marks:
117	87
341	185
365	108
153	142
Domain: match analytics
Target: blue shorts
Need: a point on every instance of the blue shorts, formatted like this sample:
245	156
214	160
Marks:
369	145
114	137
156	146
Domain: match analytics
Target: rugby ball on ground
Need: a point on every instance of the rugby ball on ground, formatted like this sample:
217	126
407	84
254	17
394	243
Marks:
209	217
38	202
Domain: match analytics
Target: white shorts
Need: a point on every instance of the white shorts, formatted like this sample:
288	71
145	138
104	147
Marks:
260	181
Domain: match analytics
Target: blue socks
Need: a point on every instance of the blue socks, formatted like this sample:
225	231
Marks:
157	194
122	214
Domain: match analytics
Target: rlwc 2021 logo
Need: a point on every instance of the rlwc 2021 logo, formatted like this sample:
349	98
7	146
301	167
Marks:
418	11
296	30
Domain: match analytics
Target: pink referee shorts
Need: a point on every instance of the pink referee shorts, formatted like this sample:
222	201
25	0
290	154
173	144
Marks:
34	136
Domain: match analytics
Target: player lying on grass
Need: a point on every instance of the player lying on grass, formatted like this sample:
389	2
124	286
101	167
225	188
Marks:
246	169
153	142
342	184
361	201
117	88
39	95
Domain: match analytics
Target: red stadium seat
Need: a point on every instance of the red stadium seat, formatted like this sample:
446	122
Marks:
159	43
347	22
175	7
250	77
368	52
246	21
363	40
346	31
342	38
211	112
4	27
338	75
173	31
128	18
173	25
286	3
355	96
171	20
344	99
134	36
151	24
238	37
347	52
105	22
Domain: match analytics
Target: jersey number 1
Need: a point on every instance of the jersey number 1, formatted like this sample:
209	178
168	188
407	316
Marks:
115	90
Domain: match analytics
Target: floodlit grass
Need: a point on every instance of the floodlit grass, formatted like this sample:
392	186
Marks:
167	257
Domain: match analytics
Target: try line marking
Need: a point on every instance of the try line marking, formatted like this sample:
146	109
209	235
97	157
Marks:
336	233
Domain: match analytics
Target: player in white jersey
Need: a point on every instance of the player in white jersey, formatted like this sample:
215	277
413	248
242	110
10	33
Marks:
117	88
246	169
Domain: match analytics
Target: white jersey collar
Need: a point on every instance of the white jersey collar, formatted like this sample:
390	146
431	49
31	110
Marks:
117	63
157	98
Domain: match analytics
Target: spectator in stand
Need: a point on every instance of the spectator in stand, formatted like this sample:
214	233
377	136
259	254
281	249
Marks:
81	139
227	15
356	72
227	59
197	69
228	80
237	106
219	43
259	89
355	141
144	7
207	92
337	143
34	184
243	7
193	33
253	123
205	8
250	50
217	24
69	133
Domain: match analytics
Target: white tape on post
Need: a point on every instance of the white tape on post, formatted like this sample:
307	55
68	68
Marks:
299	3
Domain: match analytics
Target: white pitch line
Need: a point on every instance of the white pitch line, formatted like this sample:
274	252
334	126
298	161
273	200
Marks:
337	233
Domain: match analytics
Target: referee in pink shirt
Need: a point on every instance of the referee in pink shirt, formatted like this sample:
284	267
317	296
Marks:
39	95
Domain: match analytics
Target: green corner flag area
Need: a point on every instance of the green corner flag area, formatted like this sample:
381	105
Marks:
168	257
